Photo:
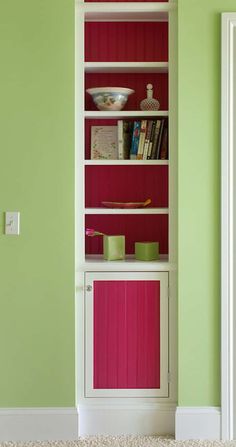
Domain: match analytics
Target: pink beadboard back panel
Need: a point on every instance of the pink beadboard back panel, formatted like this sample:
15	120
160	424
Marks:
135	81
126	334
143	227
122	184
126	41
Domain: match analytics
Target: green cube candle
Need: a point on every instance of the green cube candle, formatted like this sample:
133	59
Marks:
113	247
146	251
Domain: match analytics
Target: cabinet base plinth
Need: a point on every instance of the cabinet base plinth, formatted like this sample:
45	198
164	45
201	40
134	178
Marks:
149	419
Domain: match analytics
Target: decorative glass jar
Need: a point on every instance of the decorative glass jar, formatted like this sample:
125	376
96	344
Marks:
149	103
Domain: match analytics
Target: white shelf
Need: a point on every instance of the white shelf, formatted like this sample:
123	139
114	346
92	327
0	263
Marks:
97	263
126	162
126	11
123	114
126	67
126	211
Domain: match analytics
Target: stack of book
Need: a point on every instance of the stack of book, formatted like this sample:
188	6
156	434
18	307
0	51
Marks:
135	140
143	139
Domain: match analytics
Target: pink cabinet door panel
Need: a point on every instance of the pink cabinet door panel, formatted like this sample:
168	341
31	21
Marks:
126	336
127	347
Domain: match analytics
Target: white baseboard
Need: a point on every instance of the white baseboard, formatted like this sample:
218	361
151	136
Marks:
198	423
31	424
139	419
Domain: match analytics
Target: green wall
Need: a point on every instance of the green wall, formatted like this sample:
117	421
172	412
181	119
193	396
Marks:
199	200
37	178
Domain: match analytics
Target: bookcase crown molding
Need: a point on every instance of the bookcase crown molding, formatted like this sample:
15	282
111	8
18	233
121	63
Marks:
121	11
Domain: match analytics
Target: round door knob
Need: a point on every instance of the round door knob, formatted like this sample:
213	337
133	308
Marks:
89	288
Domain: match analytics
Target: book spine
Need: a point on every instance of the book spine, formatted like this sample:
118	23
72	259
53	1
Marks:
159	139
154	146
151	140
127	138
164	145
147	139
120	139
135	140
142	139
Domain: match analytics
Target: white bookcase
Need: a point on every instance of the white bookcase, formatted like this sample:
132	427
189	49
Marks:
121	410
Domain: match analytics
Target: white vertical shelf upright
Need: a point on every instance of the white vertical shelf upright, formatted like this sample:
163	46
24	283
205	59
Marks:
173	192
79	200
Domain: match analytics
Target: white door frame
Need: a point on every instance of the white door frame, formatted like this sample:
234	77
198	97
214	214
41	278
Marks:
228	222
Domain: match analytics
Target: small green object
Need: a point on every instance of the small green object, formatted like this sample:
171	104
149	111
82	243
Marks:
146	251
113	247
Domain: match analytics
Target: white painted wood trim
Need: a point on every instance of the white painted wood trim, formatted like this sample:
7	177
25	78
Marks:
197	423
128	6
126	67
127	11
126	211
173	199
79	200
228	49
95	263
173	137
163	391
79	136
126	162
125	419
123	114
41	424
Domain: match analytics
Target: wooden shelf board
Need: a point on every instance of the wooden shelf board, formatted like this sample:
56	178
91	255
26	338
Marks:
126	211
123	114
126	67
97	263
126	162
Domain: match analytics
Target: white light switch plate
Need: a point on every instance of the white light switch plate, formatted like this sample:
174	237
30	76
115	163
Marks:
12	222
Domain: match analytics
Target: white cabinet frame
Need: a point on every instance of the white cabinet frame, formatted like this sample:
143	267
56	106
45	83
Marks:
163	391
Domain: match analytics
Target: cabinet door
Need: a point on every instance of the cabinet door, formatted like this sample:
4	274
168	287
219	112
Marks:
126	342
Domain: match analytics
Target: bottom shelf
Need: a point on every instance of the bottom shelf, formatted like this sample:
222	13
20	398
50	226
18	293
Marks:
97	263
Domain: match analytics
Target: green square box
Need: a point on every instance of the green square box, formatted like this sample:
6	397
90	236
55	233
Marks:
146	251
113	247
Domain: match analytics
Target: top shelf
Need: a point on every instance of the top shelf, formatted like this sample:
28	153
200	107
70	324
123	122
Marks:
126	11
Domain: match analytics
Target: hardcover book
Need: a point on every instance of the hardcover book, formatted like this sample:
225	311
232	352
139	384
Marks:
142	139
147	139
164	145
135	140
104	143
155	140
125	129
154	123
160	139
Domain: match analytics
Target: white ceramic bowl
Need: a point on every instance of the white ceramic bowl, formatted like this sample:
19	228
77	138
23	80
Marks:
110	98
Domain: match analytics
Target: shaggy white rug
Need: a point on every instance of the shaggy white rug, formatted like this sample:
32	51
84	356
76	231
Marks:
122	441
